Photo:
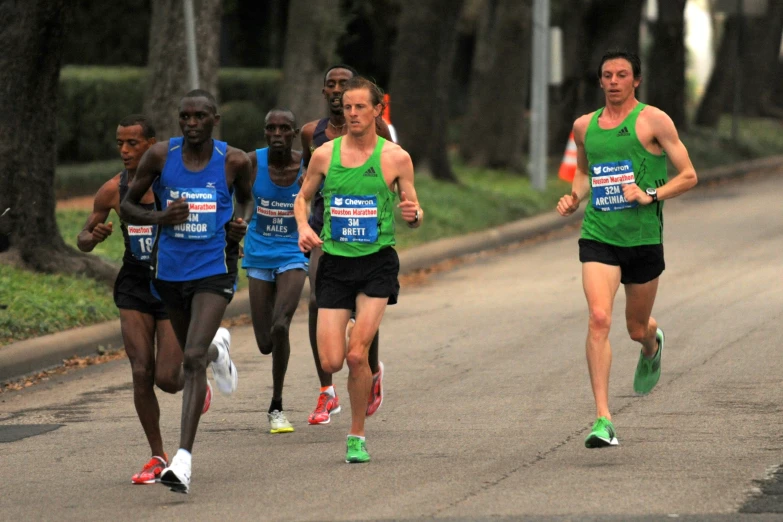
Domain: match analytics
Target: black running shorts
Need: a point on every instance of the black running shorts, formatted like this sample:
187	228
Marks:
178	295
132	292
340	279
638	265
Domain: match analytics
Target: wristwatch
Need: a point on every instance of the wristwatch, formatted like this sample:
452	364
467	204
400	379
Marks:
416	218
653	194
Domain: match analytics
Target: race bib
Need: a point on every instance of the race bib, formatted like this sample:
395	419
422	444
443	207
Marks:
354	218
275	218
141	239
607	181
203	213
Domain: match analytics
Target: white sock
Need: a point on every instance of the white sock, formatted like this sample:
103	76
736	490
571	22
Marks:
357	436
329	390
183	456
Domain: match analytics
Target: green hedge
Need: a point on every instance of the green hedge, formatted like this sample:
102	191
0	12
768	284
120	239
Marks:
93	99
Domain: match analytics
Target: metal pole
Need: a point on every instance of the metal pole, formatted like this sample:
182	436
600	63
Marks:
539	99
190	42
738	73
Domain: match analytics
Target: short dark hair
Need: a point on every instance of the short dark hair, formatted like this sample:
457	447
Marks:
201	93
147	130
283	110
340	66
360	82
633	59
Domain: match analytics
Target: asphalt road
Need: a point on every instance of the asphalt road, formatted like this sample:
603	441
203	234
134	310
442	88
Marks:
487	401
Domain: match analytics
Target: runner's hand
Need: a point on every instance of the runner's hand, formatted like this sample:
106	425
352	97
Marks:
176	213
568	204
101	232
632	192
237	230
308	239
408	208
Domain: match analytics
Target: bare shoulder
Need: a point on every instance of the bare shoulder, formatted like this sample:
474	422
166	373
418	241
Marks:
581	124
395	155
308	129
656	118
323	152
109	194
237	158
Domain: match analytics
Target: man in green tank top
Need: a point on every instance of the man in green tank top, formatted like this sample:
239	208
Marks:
621	167
359	267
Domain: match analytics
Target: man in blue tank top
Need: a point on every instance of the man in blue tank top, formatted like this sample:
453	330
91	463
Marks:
315	134
143	319
195	256
276	268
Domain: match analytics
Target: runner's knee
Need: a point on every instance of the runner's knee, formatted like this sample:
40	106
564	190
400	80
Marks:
279	330
194	361
330	366
143	375
637	331
600	321
356	359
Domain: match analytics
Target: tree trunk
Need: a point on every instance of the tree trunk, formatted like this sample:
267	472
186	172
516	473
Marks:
168	60
760	48
495	128
667	62
721	84
421	71
31	35
311	41
609	24
564	100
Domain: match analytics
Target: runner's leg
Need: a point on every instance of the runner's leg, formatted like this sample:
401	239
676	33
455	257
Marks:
324	377
169	375
369	313
289	291
642	327
600	284
138	334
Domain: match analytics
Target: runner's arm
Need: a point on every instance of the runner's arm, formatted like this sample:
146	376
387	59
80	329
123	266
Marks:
666	134
410	209
316	172
150	167
96	230
241	166
580	187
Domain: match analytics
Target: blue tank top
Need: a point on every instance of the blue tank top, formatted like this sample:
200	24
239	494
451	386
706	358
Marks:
197	248
139	239
272	238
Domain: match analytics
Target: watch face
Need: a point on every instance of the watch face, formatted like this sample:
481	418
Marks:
651	191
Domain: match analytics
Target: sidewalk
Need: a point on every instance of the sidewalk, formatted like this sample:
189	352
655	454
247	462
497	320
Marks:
40	353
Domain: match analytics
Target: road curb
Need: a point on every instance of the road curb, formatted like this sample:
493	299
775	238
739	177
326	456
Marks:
33	355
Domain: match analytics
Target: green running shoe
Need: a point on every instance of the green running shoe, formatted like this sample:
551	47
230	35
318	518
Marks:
603	434
648	371
357	451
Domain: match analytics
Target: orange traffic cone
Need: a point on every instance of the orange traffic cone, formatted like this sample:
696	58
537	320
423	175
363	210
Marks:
568	165
387	116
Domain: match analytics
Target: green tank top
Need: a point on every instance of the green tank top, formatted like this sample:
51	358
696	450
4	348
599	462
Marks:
358	206
615	156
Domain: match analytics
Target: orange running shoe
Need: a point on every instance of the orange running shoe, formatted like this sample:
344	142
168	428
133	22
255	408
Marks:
207	398
151	470
376	392
327	405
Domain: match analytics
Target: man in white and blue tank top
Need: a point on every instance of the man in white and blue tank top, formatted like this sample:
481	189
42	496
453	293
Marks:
195	257
276	268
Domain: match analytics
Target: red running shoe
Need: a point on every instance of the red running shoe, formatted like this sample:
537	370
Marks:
327	405
207	398
376	392
151	470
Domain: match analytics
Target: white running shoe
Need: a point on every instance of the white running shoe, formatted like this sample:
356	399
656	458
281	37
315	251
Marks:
278	423
223	369
177	476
